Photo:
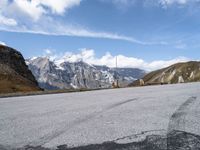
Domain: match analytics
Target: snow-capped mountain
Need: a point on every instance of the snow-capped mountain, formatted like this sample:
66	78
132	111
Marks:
61	74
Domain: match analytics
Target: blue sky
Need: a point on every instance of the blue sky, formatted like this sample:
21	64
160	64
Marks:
147	33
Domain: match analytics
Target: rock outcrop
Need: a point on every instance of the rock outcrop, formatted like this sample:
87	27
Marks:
14	73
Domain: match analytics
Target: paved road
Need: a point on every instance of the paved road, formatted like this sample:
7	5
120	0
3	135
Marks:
118	117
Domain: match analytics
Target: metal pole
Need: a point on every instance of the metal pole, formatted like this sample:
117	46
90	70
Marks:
116	62
117	84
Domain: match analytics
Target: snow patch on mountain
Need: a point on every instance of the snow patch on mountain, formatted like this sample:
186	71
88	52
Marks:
65	74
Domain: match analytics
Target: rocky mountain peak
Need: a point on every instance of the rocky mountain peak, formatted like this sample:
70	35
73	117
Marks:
59	74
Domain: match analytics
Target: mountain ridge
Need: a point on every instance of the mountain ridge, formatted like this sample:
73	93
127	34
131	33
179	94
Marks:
78	75
177	73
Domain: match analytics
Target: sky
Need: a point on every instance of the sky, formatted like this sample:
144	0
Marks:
146	34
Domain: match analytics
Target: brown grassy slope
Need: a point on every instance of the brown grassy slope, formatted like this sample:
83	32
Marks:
14	73
189	72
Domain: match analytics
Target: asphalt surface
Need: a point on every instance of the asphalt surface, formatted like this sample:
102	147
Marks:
154	117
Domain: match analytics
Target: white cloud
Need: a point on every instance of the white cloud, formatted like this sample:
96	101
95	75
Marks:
60	6
164	3
49	27
35	9
3	4
7	21
32	16
88	56
31	9
48	51
158	64
51	54
2	43
170	2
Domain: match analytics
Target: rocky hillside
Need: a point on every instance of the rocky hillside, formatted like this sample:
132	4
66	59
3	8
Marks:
14	73
177	73
78	75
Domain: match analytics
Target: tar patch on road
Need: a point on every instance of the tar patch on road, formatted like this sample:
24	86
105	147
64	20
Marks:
177	140
153	142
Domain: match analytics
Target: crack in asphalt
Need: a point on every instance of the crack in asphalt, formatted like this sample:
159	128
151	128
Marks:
139	134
